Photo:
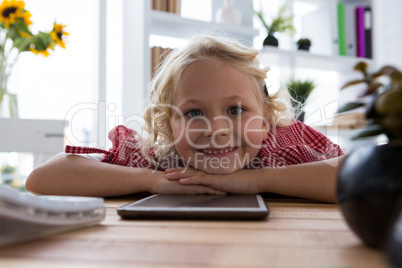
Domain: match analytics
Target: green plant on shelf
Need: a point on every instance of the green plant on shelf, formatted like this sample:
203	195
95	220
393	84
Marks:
304	43
299	91
280	23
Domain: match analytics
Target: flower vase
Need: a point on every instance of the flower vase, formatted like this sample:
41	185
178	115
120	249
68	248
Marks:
271	40
369	187
8	100
228	14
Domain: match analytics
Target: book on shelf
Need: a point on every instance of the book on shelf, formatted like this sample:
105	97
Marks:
171	6
341	29
360	32
354	29
351	119
368	31
350	29
364	31
158	54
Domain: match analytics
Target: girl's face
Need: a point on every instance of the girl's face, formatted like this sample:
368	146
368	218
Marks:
217	122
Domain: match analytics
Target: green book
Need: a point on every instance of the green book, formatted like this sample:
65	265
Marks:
341	29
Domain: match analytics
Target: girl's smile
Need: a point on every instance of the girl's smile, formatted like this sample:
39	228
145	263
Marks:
217	123
218	152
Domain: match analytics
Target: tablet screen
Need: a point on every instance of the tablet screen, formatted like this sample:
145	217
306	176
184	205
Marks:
197	207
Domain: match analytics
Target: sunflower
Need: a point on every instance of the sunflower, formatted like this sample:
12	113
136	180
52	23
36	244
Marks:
57	34
11	11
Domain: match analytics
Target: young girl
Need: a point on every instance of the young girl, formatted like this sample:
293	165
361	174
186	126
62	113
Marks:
212	128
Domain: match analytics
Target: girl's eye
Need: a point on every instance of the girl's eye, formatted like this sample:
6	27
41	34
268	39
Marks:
194	113
235	110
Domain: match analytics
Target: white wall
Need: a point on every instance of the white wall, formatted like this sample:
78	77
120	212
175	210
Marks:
388	33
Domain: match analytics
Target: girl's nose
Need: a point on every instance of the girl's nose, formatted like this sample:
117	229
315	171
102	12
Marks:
219	126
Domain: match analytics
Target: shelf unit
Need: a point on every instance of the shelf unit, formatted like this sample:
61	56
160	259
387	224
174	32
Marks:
140	22
321	23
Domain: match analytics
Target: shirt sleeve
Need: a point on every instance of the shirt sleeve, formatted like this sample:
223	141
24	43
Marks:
125	151
295	144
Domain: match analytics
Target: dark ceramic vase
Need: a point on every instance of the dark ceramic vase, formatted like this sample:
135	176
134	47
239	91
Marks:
394	244
369	186
271	40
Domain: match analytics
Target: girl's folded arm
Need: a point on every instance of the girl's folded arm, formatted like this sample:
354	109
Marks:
315	180
77	175
80	176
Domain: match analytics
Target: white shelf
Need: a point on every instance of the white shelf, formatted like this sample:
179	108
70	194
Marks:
305	59
43	138
173	25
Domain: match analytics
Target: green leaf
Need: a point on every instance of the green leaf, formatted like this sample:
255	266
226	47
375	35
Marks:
22	44
362	67
278	24
369	131
21	26
352	83
41	41
372	88
13	33
45	37
299	90
350	106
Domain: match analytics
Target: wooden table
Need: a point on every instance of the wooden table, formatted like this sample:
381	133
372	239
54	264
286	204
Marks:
298	233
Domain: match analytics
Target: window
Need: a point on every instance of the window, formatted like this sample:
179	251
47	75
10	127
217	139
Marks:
48	88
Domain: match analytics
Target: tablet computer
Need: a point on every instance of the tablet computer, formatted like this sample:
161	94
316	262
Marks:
200	206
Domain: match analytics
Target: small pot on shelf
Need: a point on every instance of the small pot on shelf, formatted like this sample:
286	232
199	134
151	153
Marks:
271	40
304	44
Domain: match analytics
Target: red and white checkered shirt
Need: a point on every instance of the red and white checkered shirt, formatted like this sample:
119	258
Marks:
294	144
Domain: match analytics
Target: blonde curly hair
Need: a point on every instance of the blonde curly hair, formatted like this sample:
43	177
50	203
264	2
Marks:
207	49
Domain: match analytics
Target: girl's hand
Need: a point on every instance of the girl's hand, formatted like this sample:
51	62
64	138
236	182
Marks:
238	183
160	185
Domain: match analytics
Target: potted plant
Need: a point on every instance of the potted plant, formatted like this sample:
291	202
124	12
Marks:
369	180
280	23
299	91
303	44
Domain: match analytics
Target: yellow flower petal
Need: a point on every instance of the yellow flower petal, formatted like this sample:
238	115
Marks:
42	52
57	34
